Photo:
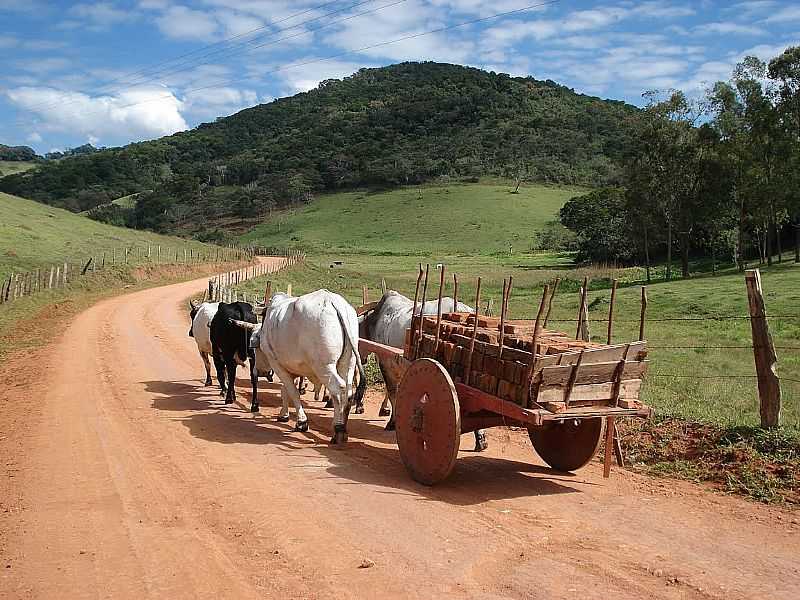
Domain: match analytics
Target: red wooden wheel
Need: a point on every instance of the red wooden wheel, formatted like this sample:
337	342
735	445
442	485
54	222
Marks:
567	445
428	421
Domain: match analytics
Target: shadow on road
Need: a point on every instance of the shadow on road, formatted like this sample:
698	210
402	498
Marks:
476	477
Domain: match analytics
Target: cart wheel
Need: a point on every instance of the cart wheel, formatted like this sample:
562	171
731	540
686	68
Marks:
567	445
428	421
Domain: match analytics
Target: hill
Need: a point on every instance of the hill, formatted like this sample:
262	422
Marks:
12	167
402	124
18	153
483	218
34	235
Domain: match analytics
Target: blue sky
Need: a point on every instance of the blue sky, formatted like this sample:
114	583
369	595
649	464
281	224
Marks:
73	72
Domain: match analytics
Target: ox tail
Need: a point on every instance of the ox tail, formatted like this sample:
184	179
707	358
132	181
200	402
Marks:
362	379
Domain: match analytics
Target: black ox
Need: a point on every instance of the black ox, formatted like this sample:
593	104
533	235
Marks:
230	348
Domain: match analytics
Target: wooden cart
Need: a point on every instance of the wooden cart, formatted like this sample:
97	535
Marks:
461	372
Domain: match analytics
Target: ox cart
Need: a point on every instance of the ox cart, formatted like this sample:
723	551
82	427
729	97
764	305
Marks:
460	372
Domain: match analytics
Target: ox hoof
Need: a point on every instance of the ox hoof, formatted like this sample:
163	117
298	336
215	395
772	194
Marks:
339	434
269	376
254	408
209	382
389	426
384	412
329	403
301	426
480	442
283	419
359	410
228	401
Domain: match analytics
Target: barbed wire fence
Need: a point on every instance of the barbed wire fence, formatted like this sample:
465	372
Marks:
766	375
27	283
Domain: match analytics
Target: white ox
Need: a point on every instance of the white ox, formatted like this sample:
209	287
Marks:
387	324
201	315
313	336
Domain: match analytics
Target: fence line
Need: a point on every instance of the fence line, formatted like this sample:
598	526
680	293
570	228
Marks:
19	285
221	288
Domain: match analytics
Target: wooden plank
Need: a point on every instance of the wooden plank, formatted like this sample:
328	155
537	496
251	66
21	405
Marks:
629	390
558	376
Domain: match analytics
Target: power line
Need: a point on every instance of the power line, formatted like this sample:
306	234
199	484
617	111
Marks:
353	50
166	70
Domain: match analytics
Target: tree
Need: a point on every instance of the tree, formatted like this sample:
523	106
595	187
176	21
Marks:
785	70
600	222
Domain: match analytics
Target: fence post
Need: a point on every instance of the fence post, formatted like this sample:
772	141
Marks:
65	275
642	314
769	388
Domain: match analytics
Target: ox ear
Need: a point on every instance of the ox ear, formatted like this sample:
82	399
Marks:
244	324
193	304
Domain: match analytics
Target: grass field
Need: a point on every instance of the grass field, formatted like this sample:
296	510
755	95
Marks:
459	218
34	235
10	167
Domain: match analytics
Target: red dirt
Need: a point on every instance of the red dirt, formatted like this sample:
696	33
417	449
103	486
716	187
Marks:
122	477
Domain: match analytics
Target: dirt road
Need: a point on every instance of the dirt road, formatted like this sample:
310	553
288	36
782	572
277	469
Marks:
123	477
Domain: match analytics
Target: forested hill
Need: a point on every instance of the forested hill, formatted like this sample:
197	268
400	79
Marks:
401	124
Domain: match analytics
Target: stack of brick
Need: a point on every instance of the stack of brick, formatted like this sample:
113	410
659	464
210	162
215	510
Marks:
504	370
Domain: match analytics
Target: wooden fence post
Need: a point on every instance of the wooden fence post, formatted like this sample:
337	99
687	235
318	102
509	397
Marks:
65	275
643	313
611	311
769	388
582	332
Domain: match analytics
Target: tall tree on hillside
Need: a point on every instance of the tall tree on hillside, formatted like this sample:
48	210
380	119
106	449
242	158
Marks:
665	174
785	70
744	119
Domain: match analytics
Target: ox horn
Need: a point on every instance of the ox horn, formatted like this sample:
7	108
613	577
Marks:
245	325
193	304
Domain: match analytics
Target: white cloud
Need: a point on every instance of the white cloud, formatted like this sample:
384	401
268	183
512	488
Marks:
236	24
789	13
44	65
101	15
34	137
216	102
727	27
182	23
400	21
131	115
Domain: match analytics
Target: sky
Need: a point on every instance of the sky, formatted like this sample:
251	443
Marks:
118	71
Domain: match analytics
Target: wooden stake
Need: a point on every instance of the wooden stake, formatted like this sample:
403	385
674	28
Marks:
550	302
468	370
455	292
268	291
503	314
643	313
439	311
411	341
610	425
383	286
289	289
532	366
364	295
580	308
422	310
611	311
769	387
